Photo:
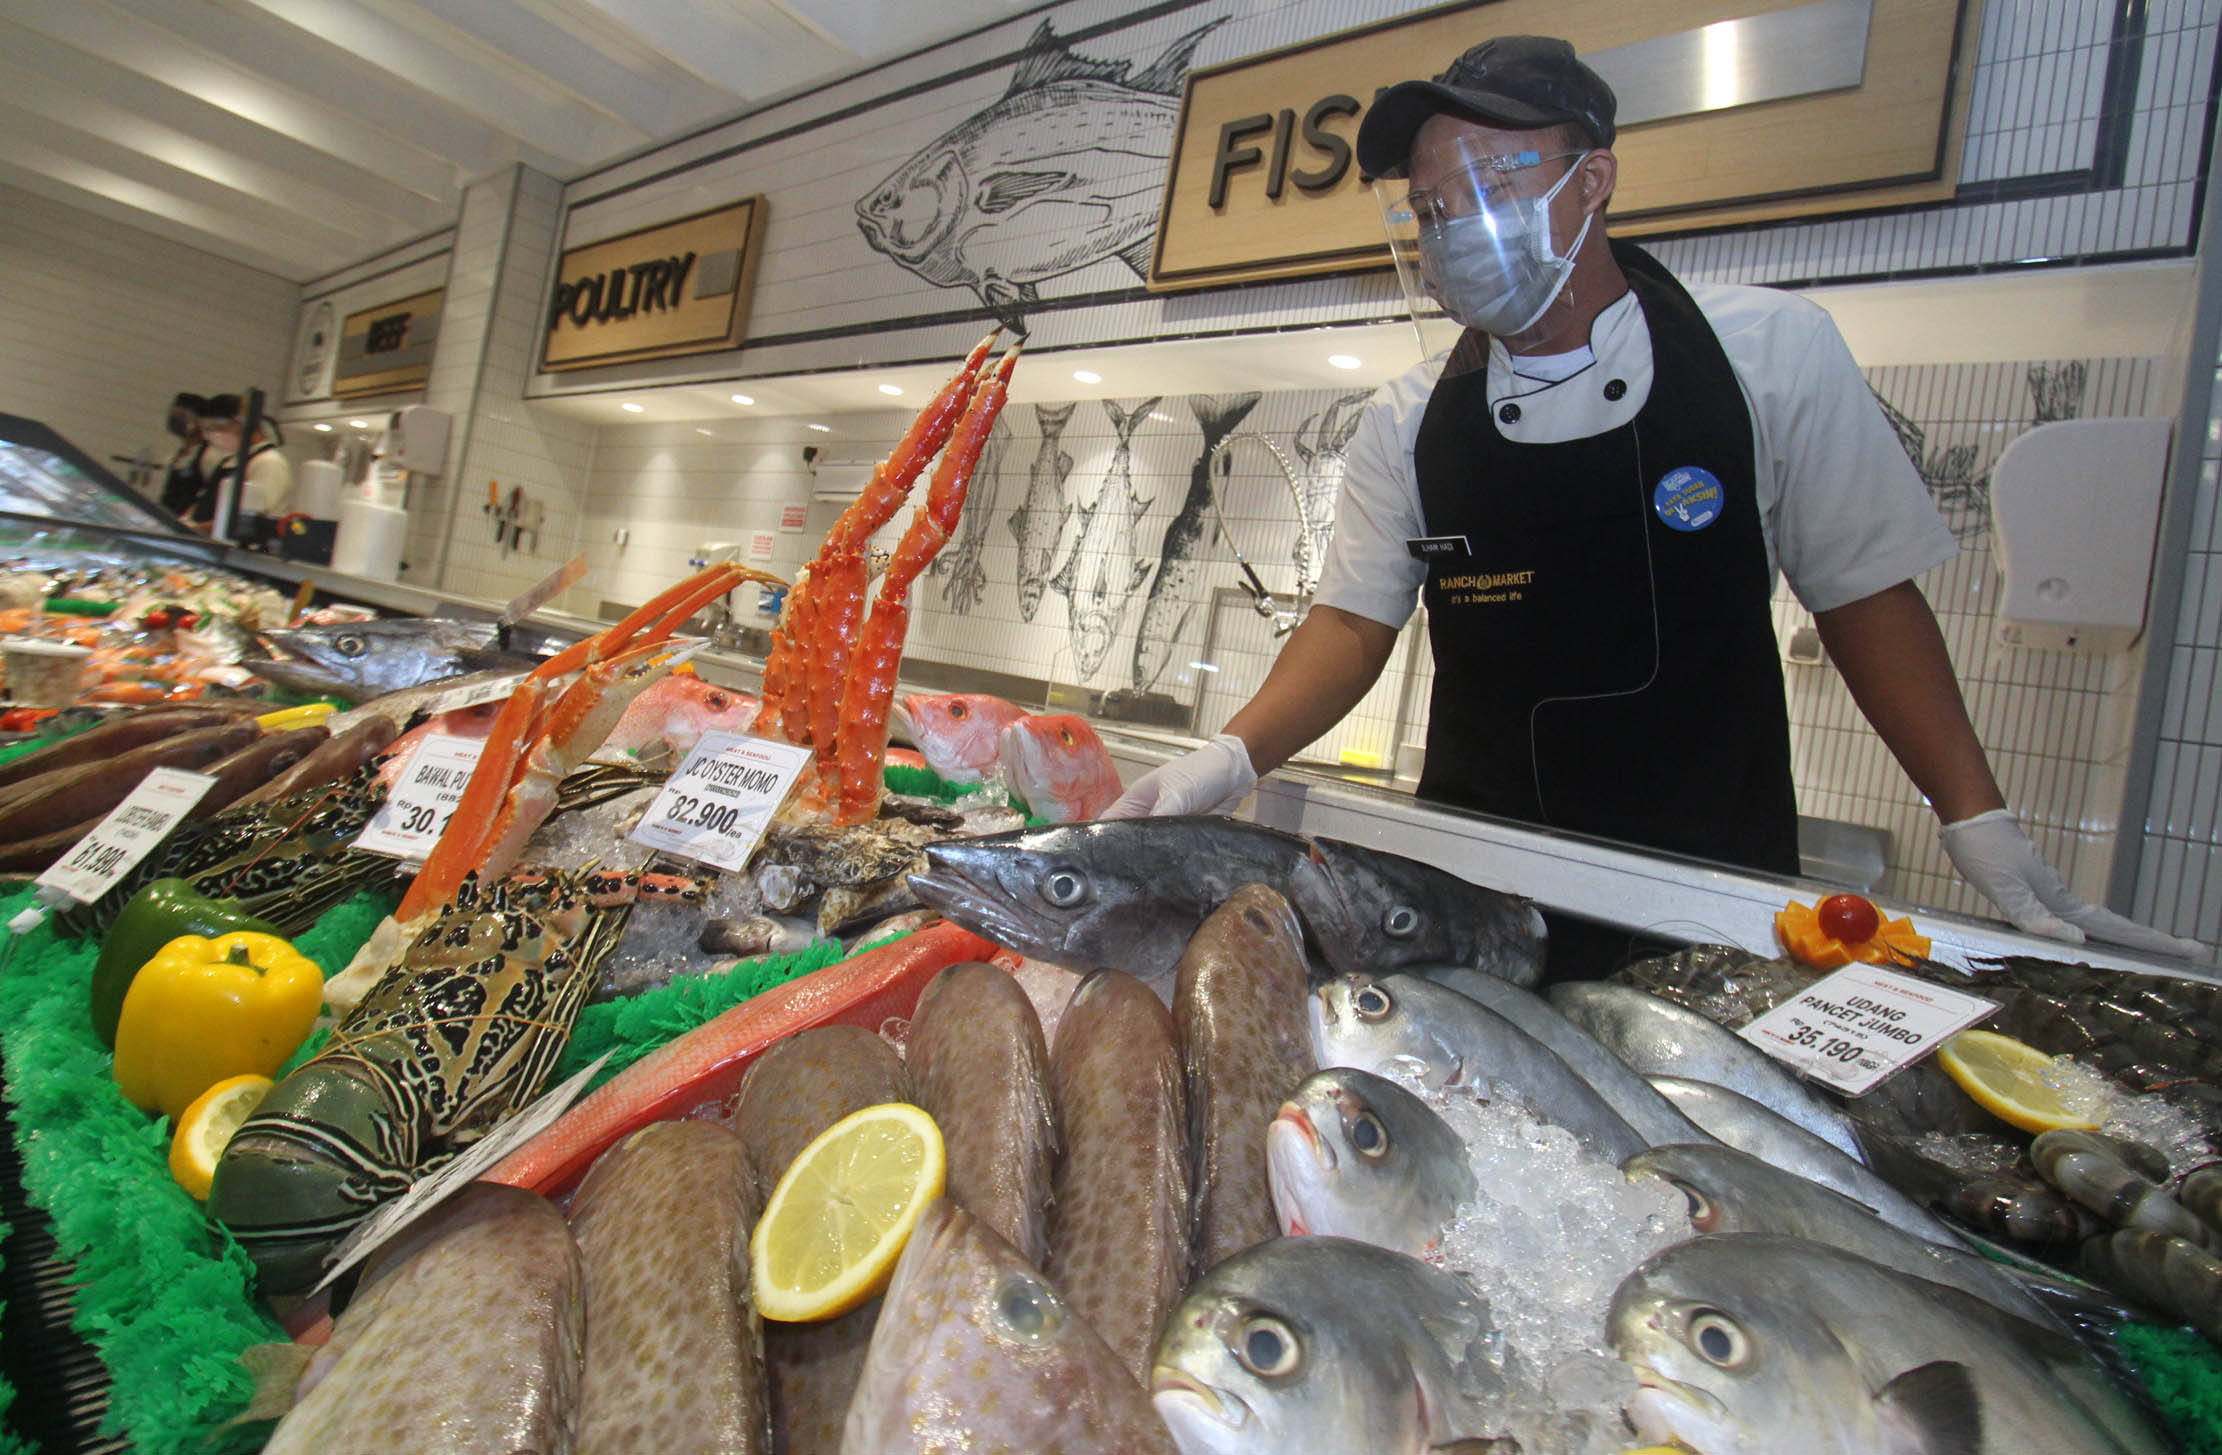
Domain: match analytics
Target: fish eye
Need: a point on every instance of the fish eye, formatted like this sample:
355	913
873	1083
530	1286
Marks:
1705	1214
957	711
1717	1339
1065	888
1372	1003
1024	1309
1369	1136
1266	1347
717	702
1064	735
350	644
1401	922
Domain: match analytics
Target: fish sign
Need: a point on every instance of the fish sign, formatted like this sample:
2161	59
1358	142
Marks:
1061	172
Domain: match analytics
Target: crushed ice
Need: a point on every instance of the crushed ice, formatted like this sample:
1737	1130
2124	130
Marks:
1556	1230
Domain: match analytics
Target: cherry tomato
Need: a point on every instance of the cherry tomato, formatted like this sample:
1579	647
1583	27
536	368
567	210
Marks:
1848	919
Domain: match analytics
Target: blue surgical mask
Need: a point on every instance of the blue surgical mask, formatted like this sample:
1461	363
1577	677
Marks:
1494	269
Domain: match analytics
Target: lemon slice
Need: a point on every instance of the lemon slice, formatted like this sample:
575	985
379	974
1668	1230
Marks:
2011	1080
206	1127
839	1218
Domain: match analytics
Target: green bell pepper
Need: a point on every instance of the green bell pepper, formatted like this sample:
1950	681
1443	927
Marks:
155	916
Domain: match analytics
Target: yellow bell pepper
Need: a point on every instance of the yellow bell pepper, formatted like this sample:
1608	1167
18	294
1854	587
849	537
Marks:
203	1010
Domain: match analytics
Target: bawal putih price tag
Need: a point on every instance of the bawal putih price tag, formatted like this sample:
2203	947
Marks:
128	834
417	808
719	803
492	690
1855	1028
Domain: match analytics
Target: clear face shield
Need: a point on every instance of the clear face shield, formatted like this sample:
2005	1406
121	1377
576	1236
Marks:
1470	232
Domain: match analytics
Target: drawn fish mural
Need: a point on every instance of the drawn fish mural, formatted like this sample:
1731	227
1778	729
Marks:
1106	567
1325	456
963	578
1187	541
1039	523
1061	172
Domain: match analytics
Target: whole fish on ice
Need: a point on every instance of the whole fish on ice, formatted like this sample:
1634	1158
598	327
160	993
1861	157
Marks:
1062	171
1038	525
1106	566
1058	767
1354	1155
957	731
359	660
1325	1346
963	578
1381	912
1180	561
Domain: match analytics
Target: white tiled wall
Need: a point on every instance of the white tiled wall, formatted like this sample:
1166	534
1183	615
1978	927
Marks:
101	323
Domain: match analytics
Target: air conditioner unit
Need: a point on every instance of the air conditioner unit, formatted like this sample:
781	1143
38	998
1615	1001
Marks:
841	476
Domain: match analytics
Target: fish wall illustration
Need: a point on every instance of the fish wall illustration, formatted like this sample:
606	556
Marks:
1038	525
1176	590
1063	171
1106	566
1325	456
963	578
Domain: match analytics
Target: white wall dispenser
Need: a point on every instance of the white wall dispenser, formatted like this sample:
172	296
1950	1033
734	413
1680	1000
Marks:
2075	507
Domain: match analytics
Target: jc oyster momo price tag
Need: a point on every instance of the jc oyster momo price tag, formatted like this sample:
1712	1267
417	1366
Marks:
129	833
1858	1026
418	806
717	805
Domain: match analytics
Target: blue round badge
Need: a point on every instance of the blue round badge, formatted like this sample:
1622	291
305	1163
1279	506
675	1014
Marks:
1688	497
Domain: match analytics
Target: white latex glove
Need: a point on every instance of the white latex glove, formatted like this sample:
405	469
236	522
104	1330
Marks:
1213	779
1993	854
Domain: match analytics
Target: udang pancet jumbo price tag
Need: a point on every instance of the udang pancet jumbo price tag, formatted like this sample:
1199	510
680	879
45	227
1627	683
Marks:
1858	1026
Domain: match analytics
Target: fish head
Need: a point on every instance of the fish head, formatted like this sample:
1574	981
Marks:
1382	913
1355	1155
363	659
958	731
1712	1187
912	213
679	708
1273	1352
1057	764
1726	1359
965	1311
1386	1025
1079	895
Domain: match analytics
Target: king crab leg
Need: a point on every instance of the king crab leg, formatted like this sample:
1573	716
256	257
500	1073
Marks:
869	688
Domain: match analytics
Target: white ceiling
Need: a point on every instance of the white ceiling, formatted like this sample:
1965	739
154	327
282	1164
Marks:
299	136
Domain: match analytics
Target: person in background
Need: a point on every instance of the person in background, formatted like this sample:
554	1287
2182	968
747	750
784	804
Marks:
268	488
182	481
1593	493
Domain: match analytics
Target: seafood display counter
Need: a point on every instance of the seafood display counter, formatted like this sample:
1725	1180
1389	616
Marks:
756	1084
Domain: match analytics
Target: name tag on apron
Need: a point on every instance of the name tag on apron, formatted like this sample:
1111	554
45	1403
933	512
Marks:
1437	548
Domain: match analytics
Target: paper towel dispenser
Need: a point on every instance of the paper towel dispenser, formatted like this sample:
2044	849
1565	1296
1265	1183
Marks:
2075	508
416	439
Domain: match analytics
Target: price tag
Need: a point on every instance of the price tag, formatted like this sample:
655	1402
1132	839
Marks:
717	805
128	834
1855	1028
455	699
426	793
427	1193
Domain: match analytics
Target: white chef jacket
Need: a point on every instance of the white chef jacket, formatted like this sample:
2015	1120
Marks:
1843	512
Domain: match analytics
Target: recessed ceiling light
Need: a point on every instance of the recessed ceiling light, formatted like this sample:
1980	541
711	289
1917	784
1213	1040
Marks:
1346	361
892	391
358	424
698	429
743	399
1087	376
823	428
323	429
631	408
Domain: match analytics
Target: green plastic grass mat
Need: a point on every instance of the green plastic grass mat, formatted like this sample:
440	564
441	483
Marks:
2184	1373
10	1442
926	783
14	751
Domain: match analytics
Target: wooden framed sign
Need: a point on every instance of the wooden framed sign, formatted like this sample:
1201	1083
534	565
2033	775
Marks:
1730	111
679	287
388	349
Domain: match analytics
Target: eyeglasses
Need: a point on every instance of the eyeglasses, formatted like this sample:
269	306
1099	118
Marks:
1479	183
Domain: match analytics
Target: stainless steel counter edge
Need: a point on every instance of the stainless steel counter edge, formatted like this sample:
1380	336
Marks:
1676	899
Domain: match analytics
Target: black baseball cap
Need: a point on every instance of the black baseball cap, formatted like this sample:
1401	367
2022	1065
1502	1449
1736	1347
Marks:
223	406
1515	81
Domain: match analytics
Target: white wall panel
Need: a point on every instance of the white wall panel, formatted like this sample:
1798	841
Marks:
100	324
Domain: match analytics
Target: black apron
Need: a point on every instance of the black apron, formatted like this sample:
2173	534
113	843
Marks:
1605	655
182	486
